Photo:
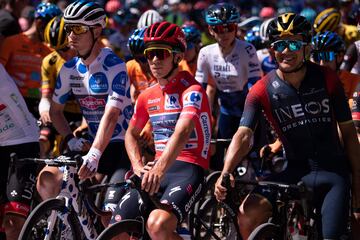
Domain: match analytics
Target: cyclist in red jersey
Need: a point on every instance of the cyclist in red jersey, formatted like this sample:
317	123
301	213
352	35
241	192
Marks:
179	112
305	104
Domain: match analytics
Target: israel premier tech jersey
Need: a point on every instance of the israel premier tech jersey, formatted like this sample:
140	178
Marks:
103	83
17	124
233	74
305	119
182	97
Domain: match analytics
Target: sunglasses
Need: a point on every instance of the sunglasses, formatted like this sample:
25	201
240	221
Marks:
292	45
325	56
224	28
76	29
159	53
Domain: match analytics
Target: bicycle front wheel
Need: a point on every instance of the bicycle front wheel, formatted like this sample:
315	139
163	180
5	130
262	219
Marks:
215	220
134	228
46	221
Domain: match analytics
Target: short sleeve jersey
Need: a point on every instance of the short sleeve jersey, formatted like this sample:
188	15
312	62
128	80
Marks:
22	59
50	68
304	119
182	97
17	124
233	74
103	83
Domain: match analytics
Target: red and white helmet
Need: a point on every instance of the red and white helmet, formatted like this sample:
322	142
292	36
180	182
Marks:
165	33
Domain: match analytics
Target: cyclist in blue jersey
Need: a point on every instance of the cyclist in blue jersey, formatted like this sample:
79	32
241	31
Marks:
98	80
305	104
229	68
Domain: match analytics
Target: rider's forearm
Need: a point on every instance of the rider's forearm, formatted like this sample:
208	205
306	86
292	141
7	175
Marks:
59	122
133	149
240	145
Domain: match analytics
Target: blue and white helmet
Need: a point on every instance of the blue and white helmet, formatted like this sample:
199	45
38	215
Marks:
85	13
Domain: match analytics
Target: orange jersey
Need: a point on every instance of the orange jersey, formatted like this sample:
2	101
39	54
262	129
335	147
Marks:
138	78
22	59
185	66
349	81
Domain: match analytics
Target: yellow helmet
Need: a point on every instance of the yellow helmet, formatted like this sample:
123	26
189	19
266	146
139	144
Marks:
55	34
327	20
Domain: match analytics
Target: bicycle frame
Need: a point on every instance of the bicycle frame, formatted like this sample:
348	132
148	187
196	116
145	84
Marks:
70	192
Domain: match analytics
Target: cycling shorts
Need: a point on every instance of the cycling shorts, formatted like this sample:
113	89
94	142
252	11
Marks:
19	184
114	163
330	196
181	187
113	158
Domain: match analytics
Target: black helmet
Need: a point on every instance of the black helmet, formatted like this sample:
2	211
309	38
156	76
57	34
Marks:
328	42
289	24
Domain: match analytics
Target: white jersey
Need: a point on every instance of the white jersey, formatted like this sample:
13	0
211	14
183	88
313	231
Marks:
103	83
17	124
233	74
356	67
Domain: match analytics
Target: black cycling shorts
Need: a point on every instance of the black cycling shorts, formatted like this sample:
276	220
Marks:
19	185
114	163
181	188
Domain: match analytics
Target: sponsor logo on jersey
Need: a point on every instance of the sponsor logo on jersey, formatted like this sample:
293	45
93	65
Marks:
155	100
172	101
193	99
98	83
75	77
275	84
91	102
222	68
119	83
153	108
296	115
206	128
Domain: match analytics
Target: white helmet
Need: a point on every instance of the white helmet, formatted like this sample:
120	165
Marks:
86	13
263	30
148	18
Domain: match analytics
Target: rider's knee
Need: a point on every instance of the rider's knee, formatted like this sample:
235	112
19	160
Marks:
160	223
253	211
13	224
49	181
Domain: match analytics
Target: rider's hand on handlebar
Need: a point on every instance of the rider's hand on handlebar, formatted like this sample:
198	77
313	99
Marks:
220	191
90	164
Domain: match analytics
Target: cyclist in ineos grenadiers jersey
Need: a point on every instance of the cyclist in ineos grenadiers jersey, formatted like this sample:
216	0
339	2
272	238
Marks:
98	80
305	104
18	134
229	68
178	110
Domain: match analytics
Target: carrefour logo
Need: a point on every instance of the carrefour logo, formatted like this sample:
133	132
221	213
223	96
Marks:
193	99
98	83
172	101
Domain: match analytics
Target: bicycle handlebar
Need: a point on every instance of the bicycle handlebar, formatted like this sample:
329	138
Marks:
55	162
